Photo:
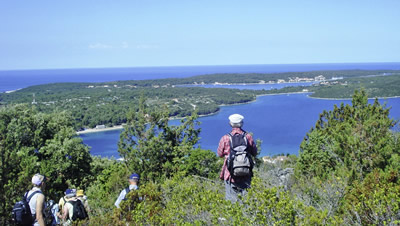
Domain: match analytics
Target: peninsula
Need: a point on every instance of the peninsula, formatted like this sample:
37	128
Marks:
94	104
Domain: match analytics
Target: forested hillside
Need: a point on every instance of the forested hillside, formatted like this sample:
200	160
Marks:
347	171
95	104
377	86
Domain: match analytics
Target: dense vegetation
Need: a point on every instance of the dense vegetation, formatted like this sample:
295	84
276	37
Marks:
92	104
347	172
378	86
97	104
353	138
32	142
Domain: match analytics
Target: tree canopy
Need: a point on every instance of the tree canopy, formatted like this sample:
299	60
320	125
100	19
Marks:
356	137
347	172
149	145
33	142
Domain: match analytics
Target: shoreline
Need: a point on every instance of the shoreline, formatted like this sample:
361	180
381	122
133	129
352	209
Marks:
11	91
372	98
120	127
94	130
244	84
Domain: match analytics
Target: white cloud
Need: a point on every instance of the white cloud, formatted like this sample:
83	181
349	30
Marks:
125	45
146	46
99	45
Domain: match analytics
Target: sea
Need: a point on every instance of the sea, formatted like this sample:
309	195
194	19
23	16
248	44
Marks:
280	122
17	79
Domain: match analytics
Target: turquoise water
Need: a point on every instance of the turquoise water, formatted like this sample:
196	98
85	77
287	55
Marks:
280	121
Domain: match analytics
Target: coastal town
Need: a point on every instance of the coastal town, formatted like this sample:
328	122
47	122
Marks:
320	79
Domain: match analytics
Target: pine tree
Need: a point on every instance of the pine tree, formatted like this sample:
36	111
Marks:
357	137
151	147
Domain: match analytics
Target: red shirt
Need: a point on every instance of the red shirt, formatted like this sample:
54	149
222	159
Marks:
224	150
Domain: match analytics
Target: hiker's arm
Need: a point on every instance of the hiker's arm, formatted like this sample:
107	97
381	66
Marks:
64	212
253	146
120	198
221	148
86	204
39	209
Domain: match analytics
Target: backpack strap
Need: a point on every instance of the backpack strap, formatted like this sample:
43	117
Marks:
30	196
230	140
244	133
244	137
71	202
29	199
127	190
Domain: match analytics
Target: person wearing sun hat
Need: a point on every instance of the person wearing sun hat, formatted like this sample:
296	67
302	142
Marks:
133	185
63	200
37	201
67	209
81	196
235	185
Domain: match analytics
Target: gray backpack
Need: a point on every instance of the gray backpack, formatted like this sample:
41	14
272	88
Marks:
239	161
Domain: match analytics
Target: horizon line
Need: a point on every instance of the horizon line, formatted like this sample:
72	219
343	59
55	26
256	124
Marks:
211	65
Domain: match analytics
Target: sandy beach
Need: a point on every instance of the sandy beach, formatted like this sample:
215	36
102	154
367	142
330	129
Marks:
94	130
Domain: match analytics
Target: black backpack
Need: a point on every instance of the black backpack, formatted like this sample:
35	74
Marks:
78	210
239	161
21	212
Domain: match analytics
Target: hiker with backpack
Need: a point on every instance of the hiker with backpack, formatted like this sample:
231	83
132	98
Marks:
37	200
29	211
133	185
81	196
62	201
73	208
238	148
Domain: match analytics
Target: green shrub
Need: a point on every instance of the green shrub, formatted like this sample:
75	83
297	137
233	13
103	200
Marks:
356	137
375	200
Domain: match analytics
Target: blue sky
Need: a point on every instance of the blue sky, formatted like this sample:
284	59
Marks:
127	33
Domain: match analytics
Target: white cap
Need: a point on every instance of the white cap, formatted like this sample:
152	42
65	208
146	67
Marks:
37	179
236	118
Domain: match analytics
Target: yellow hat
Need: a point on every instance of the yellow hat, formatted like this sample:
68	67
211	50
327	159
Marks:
79	193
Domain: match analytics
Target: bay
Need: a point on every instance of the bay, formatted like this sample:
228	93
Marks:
280	121
17	79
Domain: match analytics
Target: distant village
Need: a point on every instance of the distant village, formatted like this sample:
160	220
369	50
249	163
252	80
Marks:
320	78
